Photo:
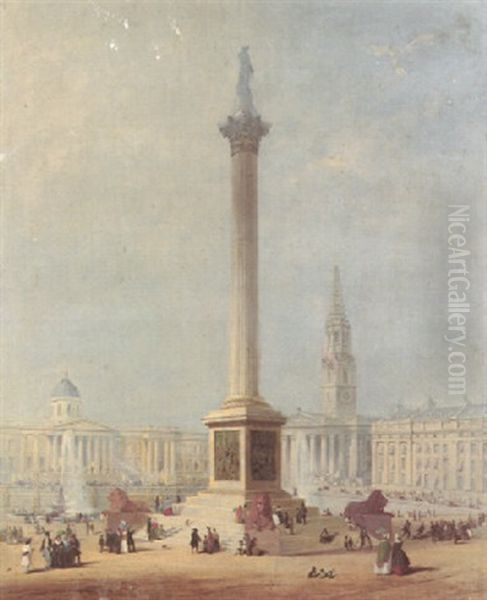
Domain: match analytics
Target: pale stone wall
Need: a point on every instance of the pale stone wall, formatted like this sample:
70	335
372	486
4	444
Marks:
440	456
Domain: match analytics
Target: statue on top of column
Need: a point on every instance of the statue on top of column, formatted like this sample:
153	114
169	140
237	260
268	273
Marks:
244	93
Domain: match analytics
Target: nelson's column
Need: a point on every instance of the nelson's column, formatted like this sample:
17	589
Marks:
245	432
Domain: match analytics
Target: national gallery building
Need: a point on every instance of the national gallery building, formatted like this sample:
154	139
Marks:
99	454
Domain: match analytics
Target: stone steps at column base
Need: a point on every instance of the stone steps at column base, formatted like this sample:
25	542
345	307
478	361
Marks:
229	532
217	510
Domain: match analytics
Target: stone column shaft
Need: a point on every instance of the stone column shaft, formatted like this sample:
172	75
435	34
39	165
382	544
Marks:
398	464
353	458
331	440
244	132
324	455
156	456
173	458
244	367
166	459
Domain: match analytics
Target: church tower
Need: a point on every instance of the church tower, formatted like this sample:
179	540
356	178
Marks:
340	398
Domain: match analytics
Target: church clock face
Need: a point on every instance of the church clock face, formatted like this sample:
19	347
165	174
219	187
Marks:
346	396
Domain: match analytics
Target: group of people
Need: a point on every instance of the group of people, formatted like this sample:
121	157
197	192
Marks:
209	544
120	541
391	558
282	517
12	535
62	552
444	530
321	574
155	530
326	537
248	546
364	541
164	505
301	513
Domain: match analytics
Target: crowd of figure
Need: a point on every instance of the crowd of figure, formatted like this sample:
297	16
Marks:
363	541
155	530
62	552
443	529
431	498
282	517
321	574
120	541
12	535
209	544
248	546
164	505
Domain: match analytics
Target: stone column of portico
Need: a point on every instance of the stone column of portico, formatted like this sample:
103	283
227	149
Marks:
398	464
353	458
96	454
108	464
375	463
324	455
101	450
89	442
173	459
35	454
48	453
316	453
156	457
386	461
148	450
293	460
284	467
331	457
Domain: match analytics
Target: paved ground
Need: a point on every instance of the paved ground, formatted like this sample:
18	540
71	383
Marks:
441	571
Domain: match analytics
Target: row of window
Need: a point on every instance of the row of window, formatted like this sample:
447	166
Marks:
475	448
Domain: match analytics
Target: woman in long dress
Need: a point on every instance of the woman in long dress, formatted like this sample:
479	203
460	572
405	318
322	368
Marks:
383	562
46	551
400	561
123	544
26	560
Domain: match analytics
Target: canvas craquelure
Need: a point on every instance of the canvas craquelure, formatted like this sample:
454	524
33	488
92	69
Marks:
242	253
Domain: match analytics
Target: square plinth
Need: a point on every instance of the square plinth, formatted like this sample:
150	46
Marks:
245	449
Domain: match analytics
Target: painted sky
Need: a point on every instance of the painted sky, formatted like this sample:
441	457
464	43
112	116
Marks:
115	223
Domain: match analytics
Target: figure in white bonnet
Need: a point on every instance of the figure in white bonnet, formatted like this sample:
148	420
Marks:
383	561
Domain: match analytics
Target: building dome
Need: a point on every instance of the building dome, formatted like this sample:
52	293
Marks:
65	389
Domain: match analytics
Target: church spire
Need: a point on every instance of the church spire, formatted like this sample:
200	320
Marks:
338	362
337	305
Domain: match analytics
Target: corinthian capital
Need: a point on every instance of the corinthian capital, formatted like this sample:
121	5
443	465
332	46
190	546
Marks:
244	132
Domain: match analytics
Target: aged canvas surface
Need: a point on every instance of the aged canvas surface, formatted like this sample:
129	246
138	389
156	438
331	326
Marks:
243	299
